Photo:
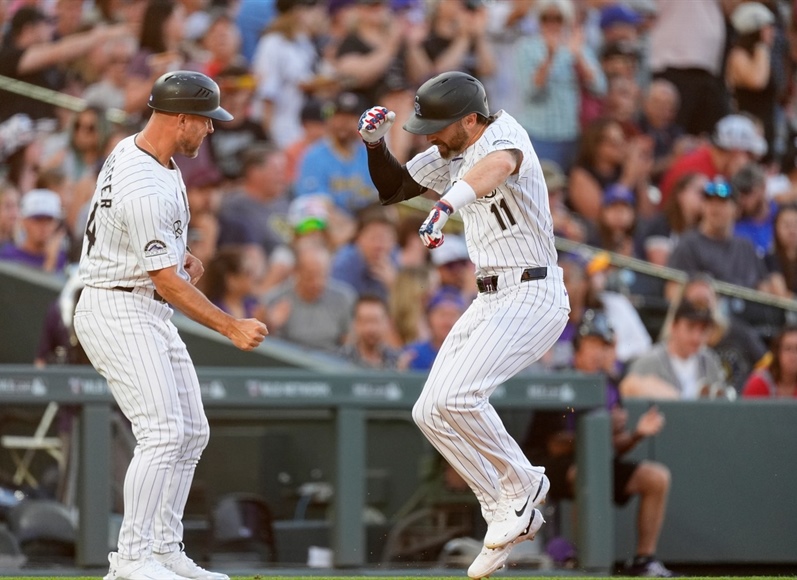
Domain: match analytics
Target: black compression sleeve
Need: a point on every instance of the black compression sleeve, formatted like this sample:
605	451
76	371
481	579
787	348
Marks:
392	180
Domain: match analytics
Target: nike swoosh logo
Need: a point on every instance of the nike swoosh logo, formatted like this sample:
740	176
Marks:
519	512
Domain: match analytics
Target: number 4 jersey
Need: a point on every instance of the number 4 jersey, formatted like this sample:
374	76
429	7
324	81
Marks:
138	220
511	227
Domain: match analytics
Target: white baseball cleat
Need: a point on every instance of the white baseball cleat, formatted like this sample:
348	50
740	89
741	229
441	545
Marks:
512	517
491	560
145	569
179	563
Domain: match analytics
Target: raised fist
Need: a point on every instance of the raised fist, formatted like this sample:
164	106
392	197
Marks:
374	123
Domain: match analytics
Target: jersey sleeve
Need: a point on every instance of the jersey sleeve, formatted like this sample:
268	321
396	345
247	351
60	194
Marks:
503	136
150	225
430	170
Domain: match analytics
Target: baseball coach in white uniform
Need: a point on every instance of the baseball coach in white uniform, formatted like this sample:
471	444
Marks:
135	266
484	167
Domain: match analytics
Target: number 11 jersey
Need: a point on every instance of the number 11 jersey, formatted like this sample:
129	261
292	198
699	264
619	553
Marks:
511	227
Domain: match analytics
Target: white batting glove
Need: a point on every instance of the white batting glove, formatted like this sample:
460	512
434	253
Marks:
375	123
431	231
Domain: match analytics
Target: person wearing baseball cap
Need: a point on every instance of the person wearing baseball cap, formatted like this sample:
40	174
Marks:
736	140
551	441
442	310
42	241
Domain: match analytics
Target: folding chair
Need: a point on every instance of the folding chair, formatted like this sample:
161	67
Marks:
39	441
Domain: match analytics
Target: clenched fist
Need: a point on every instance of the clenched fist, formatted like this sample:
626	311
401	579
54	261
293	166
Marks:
431	229
375	123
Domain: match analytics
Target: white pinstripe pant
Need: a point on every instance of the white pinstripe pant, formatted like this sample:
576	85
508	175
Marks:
499	335
131	341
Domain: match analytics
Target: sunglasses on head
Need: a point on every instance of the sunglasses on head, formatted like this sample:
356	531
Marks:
718	189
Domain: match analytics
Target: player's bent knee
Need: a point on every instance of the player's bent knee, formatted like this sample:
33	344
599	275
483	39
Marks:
422	415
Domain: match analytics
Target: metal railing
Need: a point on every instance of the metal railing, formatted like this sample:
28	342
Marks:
643	267
52	97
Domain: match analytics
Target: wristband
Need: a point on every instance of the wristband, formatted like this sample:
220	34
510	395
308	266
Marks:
459	195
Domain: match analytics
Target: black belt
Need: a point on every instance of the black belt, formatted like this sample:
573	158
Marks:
490	283
155	296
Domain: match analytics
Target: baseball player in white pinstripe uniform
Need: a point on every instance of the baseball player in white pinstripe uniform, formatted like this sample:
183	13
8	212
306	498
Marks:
134	265
484	166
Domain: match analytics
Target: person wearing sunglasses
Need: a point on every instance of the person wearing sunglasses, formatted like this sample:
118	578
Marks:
712	247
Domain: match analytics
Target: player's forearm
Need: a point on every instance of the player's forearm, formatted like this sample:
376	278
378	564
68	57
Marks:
391	179
491	172
187	299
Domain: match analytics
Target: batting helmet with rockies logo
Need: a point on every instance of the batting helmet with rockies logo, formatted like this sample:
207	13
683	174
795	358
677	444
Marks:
444	99
188	92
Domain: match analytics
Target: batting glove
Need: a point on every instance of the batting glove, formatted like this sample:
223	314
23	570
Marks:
374	123
431	231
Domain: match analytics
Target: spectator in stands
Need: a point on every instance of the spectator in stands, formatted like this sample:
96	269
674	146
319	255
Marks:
338	164
737	344
160	50
229	283
457	39
687	44
408	297
443	310
735	142
565	223
682	366
574	275
748	69
380	58
110	89
777	378
781	261
508	23
313	129
657	120
620	59
756	213
454	268
28	53
230	140
369	264
9	213
551	442
622	104
204	198
616	221
257	213
412	252
41	244
220	45
252	18
84	150
606	158
558	70
712	247
284	65
368	343
619	23
682	212
311	309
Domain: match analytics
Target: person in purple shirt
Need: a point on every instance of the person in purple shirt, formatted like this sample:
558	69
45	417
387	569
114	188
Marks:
43	233
442	312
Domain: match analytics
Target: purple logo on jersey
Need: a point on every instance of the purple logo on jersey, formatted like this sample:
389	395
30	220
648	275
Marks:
154	248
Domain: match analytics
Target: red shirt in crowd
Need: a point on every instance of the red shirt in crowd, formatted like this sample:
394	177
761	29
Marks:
697	161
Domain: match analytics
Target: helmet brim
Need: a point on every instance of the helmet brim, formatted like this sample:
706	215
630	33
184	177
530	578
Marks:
420	126
219	114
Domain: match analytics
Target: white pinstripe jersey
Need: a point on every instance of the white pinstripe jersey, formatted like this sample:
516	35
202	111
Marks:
138	220
512	226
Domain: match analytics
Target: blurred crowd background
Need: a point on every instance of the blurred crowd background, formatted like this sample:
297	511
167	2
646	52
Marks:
666	131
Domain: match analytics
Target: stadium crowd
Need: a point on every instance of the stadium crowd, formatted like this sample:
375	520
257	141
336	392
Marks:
666	131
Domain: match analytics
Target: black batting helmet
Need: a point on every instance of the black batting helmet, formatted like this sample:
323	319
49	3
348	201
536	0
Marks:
445	99
187	92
